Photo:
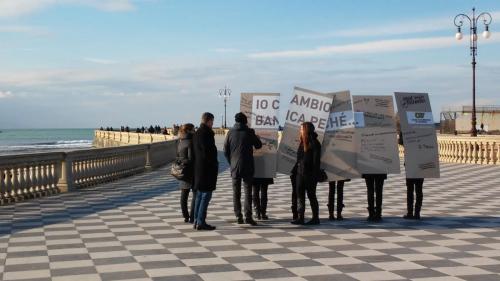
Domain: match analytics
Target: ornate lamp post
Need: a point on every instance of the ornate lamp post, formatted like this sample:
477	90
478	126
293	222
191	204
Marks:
225	94
459	22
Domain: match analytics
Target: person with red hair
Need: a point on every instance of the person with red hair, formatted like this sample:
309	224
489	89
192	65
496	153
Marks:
308	172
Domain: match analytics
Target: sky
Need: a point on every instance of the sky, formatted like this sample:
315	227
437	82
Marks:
92	63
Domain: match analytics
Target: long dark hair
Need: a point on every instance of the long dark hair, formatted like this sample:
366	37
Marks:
307	135
185	129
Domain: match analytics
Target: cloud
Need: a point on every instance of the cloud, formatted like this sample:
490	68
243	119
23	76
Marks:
5	95
370	47
26	29
399	28
100	61
15	8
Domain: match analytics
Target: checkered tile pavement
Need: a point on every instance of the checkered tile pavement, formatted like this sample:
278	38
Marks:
133	230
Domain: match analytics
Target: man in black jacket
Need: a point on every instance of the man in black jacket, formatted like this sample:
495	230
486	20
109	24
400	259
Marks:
206	169
238	149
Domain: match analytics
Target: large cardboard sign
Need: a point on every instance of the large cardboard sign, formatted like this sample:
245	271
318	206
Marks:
376	135
262	111
419	135
338	156
305	106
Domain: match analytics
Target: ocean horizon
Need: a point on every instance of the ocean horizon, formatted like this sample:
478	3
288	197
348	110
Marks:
22	141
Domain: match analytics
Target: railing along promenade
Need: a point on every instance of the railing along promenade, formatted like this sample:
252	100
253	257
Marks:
32	175
28	176
484	150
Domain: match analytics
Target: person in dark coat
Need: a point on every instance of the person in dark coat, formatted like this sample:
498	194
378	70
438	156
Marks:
412	185
308	172
186	156
259	189
206	169
238	149
339	187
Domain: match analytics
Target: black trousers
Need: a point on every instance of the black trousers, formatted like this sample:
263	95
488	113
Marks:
414	185
293	179
260	197
247	186
306	184
339	186
184	203
375	187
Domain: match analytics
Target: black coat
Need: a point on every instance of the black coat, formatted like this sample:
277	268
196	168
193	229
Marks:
238	149
186	156
309	162
206	166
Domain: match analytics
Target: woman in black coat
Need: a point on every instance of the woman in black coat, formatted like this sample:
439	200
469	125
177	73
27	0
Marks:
308	172
186	156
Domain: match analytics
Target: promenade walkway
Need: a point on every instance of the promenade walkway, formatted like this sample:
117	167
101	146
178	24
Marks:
132	230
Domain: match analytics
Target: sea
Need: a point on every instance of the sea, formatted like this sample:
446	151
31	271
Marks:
21	141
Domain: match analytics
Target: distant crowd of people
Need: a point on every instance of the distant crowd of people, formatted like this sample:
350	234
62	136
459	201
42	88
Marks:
197	153
147	130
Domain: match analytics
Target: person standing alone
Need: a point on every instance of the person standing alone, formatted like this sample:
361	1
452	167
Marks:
238	150
206	169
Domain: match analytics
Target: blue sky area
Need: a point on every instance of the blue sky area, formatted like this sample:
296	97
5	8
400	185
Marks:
91	63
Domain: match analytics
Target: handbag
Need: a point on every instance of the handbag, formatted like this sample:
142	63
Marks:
179	170
322	177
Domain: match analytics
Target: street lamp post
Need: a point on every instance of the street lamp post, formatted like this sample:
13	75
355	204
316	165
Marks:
459	22
225	94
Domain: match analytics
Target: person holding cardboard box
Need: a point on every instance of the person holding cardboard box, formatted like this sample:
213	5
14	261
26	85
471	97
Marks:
412	185
339	187
308	173
259	187
374	187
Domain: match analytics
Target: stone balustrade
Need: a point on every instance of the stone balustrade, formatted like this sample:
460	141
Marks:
33	175
470	150
113	138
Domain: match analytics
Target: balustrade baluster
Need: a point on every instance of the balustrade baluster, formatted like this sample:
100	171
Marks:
18	193
8	185
45	178
2	186
487	148
26	192
492	153
480	155
498	153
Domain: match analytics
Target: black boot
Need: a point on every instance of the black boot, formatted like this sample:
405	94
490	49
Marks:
409	215
240	219
409	208
339	212
371	214
257	214
378	214
299	220
313	221
330	213
250	221
295	214
417	212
